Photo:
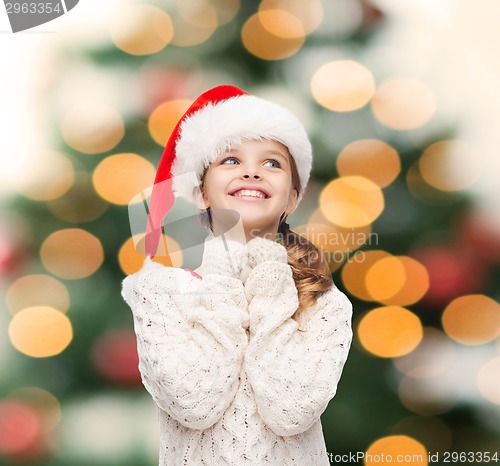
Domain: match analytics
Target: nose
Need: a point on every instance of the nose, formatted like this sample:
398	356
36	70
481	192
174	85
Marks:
255	175
251	171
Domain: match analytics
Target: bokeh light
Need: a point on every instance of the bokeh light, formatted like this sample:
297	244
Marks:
433	356
374	159
416	284
488	380
336	243
92	128
72	253
37	289
281	23
118	178
19	427
264	44
45	404
132	253
342	86
48	177
479	234
165	117
452	271
310	13
398	280
226	10
451	165
86	441
396	448
198	13
354	272
197	20
188	34
351	201
423	191
403	103
114	355
385	278
40	331
472	319
332	238
426	396
141	29
390	331
81	203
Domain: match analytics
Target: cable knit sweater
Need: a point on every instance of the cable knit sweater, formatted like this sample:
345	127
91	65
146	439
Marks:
235	381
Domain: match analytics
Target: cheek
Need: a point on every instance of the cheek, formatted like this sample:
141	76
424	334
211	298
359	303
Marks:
215	186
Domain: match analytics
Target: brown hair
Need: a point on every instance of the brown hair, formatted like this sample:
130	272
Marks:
310	270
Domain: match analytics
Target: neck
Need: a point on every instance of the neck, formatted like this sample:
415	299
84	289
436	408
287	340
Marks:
244	235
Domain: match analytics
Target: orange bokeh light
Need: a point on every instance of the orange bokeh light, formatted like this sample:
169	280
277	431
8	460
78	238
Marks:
197	20
396	448
141	29
451	165
265	45
309	13
32	290
385	278
40	331
72	253
354	272
390	331
472	319
403	103
118	178
342	86
351	201
371	158
49	176
92	128
132	253
398	280
165	117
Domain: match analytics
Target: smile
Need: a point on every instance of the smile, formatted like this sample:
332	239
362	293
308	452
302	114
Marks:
250	194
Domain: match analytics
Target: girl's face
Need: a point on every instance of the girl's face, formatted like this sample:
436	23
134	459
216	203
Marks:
253	178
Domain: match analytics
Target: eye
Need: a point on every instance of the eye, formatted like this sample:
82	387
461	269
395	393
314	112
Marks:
227	159
277	164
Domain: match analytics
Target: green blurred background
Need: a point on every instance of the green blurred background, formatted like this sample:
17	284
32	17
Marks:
400	99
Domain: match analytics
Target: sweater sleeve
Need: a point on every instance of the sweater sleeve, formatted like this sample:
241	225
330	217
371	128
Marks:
294	374
191	340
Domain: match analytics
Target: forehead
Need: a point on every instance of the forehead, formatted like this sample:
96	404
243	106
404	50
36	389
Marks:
264	146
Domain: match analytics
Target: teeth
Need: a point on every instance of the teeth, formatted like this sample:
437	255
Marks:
248	192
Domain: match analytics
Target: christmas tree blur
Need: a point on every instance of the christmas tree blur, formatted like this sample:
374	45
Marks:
402	200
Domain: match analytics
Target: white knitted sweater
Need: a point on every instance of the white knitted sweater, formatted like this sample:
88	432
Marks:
234	380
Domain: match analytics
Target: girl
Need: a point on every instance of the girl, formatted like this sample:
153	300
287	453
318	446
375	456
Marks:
242	355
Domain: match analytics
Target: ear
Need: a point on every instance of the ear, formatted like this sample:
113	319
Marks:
201	200
292	202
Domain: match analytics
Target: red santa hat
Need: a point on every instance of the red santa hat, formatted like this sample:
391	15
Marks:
218	119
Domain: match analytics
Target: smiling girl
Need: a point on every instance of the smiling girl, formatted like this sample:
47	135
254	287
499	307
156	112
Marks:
242	364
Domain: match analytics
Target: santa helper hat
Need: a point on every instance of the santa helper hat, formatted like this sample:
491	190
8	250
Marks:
218	119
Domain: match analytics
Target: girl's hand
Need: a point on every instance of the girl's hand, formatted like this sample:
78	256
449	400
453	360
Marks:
224	256
261	250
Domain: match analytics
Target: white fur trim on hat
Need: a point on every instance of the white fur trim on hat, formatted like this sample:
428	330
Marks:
211	130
